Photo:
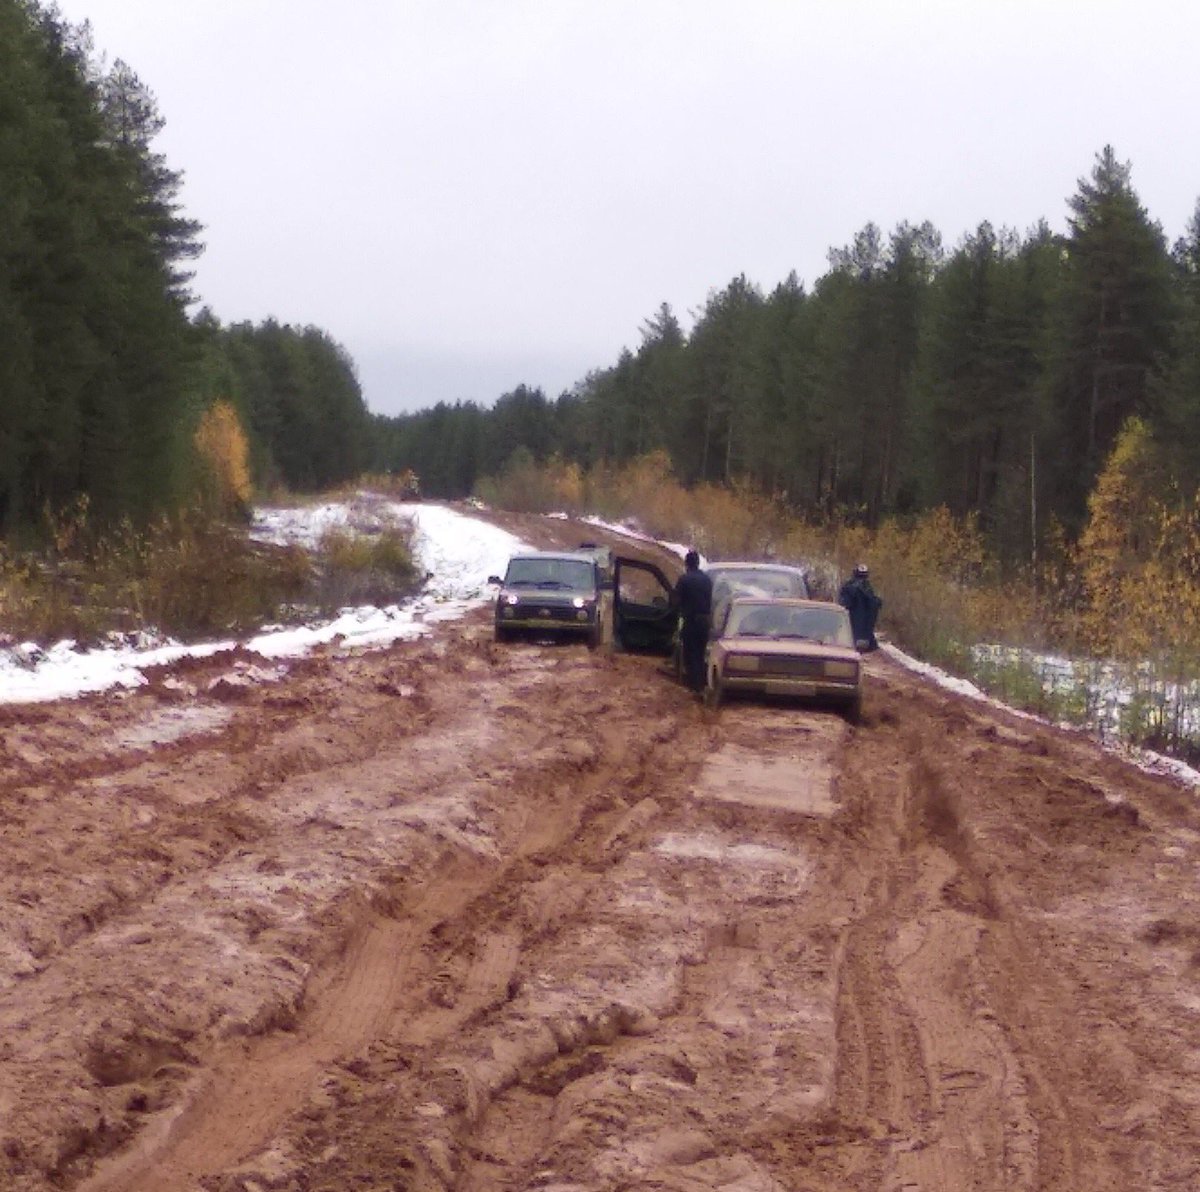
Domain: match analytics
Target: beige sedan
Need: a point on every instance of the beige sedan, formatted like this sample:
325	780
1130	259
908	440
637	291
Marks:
801	649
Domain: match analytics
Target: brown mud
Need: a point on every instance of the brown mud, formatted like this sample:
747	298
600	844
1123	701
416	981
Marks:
453	915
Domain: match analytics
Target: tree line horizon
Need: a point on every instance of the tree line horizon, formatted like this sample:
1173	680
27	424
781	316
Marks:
991	379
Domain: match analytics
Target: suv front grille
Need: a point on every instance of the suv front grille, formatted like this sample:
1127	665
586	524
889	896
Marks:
547	612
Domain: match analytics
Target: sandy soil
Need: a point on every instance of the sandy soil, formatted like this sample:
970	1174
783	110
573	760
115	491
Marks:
453	915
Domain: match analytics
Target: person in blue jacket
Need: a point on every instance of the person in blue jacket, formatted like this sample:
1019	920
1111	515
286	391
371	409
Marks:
859	599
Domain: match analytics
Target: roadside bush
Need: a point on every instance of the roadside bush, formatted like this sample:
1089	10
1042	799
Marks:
194	577
1017	678
356	569
526	486
395	485
185	576
720	522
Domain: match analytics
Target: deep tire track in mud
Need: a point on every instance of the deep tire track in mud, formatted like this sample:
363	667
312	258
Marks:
459	916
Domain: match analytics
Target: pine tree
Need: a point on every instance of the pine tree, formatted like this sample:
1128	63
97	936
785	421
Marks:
1179	394
726	360
1112	325
132	119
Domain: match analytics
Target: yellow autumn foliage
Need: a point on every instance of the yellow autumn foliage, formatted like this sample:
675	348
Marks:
1116	544
224	454
554	485
1161	597
1139	559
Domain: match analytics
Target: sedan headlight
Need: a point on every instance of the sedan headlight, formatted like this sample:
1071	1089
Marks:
841	670
743	662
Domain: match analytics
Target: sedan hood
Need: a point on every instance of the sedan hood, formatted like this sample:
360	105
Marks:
788	647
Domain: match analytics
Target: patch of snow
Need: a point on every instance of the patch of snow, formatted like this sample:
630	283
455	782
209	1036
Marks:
1145	759
168	725
456	551
62	670
705	847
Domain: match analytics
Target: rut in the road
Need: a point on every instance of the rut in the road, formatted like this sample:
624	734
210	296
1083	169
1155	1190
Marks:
569	930
436	948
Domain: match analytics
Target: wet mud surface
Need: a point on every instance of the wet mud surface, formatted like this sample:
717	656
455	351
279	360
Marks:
459	916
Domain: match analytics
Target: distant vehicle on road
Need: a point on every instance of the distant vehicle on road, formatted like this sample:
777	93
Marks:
409	484
800	649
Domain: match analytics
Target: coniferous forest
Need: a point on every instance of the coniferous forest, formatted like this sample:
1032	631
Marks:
104	377
990	379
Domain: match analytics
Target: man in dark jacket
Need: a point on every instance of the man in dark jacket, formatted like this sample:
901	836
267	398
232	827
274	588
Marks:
858	598
693	599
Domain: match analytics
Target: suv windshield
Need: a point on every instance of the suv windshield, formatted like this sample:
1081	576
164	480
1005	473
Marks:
575	574
827	625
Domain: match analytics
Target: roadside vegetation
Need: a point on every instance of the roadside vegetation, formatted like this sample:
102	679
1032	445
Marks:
1104	633
195	572
189	577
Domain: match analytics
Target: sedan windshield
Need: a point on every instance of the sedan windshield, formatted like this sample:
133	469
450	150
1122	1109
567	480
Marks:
829	626
573	574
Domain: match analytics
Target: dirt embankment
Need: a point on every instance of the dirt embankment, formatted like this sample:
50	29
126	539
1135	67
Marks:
457	916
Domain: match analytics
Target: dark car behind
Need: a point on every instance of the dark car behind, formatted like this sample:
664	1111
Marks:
558	593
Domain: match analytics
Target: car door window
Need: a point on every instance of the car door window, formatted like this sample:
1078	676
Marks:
645	620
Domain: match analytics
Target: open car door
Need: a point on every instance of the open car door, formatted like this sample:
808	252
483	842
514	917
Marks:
643	619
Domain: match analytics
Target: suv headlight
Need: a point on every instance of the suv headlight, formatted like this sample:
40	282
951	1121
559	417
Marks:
511	598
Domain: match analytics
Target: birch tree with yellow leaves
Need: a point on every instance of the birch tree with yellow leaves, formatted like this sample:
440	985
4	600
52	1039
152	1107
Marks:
1139	557
224	454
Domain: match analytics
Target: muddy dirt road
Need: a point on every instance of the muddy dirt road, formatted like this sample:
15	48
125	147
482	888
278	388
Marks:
459	916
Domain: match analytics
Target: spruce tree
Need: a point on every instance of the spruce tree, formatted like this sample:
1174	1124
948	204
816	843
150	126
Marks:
1112	326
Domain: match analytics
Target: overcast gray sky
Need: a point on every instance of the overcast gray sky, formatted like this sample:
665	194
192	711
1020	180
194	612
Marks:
473	194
